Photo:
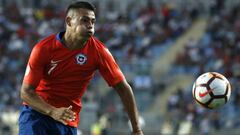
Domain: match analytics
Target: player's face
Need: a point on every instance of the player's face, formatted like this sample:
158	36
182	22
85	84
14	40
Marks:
82	23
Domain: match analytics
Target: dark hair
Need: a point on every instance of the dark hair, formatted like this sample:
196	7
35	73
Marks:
81	4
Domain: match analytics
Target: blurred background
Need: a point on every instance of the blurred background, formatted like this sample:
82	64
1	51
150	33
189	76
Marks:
162	46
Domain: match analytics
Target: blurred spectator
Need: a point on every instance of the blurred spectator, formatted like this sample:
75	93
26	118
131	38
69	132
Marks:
96	129
205	125
167	128
105	124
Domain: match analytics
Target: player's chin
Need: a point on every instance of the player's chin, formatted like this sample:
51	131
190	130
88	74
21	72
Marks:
90	33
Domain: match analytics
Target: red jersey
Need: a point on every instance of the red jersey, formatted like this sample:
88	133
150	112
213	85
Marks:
61	75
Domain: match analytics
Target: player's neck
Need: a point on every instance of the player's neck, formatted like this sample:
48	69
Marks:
73	43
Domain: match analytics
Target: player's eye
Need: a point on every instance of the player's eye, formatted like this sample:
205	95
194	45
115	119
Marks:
93	21
84	20
88	20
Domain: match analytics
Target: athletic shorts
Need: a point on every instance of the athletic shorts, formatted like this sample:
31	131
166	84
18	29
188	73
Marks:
32	122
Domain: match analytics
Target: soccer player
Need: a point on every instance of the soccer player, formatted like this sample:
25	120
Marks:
58	72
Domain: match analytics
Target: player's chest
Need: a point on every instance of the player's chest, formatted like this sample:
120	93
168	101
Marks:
66	63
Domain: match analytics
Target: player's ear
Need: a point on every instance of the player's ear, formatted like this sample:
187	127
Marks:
68	20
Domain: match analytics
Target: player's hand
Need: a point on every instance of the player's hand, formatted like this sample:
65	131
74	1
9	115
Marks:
63	114
139	132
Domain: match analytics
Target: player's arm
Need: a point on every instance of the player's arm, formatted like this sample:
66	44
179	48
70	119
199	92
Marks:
29	96
125	92
111	72
33	100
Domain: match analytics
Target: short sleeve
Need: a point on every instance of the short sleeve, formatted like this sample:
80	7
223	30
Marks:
35	66
109	69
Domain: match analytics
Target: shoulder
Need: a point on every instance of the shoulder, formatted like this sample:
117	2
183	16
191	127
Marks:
43	47
101	49
46	43
97	43
100	46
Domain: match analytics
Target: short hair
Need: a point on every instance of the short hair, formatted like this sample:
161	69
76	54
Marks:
81	4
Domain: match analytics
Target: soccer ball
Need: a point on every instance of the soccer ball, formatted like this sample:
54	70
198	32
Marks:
211	90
